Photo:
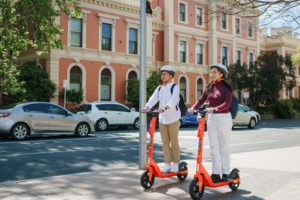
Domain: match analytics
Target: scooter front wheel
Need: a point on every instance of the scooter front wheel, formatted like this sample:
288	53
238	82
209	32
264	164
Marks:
182	167
194	189
234	174
145	180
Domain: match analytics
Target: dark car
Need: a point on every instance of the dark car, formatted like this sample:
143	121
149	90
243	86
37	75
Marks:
189	119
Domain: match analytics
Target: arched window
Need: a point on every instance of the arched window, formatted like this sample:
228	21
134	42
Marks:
132	75
182	84
75	78
105	85
199	87
299	91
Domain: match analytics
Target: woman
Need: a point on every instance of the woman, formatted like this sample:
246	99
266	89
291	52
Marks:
219	122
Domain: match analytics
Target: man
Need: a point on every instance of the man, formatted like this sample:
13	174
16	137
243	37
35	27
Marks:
169	115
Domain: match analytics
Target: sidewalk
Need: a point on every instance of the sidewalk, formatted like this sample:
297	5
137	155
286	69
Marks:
270	174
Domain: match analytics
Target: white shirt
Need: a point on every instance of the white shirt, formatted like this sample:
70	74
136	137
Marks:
166	99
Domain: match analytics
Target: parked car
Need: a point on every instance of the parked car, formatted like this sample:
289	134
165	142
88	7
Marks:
104	114
32	118
245	116
189	119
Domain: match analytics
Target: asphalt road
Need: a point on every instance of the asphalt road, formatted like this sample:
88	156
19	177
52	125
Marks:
60	155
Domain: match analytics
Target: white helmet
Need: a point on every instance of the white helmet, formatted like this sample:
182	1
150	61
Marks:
221	67
168	68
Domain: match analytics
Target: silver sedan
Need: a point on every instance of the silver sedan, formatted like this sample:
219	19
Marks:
31	118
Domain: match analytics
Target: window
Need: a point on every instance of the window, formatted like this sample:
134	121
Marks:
35	108
132	75
250	59
121	108
76	32
298	70
299	91
224	20
290	68
199	54
182	84
199	16
182	12
53	109
199	87
85	108
182	51
237	26
133	41
291	93
250	29
75	78
224	56
239	57
106	37
105	85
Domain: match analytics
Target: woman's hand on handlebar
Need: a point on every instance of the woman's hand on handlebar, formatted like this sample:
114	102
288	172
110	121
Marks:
191	110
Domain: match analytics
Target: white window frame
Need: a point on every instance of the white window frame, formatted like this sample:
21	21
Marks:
227	22
228	61
203	42
250	51
202	22
83	71
291	91
252	25
196	90
108	19
240	27
135	25
84	14
186	38
187	87
113	81
154	34
185	12
241	50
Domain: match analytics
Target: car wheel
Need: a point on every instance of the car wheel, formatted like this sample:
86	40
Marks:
82	130
136	124
252	123
20	131
102	125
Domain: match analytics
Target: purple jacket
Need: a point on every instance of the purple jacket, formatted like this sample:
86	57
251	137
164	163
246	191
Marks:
219	97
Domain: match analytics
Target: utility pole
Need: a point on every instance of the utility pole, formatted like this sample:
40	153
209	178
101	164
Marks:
142	99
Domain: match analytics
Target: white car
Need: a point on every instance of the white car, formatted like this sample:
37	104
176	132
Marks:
107	113
245	116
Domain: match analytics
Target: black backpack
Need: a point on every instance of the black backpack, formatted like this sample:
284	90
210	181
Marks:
234	106
181	104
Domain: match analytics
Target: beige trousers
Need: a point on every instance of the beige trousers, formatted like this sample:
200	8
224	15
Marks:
169	135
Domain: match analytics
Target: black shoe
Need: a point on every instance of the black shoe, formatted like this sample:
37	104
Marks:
215	178
224	177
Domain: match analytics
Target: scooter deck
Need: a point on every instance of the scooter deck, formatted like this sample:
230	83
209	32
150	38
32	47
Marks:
167	175
220	184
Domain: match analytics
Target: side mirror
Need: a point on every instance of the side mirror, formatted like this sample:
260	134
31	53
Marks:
132	109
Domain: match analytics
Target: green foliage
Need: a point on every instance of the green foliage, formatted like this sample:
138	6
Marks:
284	109
296	104
27	23
133	88
73	96
36	84
269	109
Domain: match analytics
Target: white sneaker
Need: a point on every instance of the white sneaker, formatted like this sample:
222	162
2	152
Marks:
174	167
166	168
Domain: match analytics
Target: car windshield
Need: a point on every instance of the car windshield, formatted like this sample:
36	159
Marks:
245	108
10	106
84	108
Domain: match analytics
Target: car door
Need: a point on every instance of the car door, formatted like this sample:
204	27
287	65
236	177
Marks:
241	117
60	120
37	116
123	114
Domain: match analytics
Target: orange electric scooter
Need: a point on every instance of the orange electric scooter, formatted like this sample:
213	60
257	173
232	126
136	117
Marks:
152	169
202	178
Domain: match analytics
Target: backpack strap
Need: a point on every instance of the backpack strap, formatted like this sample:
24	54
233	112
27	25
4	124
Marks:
172	88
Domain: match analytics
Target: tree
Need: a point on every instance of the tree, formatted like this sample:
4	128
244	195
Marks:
153	82
284	12
35	82
237	76
27	24
267	77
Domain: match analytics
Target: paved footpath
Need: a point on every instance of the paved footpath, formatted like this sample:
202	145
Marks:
270	174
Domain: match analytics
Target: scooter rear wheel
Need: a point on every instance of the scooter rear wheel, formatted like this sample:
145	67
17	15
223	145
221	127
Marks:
182	167
234	175
194	189
145	180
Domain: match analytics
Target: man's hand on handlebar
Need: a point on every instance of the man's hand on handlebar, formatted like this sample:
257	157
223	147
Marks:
191	110
146	109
